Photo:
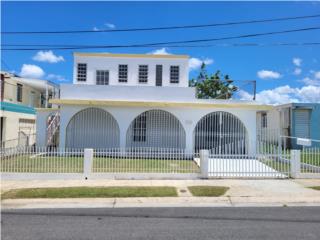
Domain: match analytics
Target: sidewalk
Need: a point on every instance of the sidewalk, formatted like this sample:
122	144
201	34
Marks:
241	193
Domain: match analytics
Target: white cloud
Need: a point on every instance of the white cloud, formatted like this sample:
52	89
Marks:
59	78
47	56
195	63
160	51
297	71
285	94
31	71
297	61
95	29
265	74
110	25
312	81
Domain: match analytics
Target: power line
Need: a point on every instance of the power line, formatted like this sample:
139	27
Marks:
178	46
169	42
166	28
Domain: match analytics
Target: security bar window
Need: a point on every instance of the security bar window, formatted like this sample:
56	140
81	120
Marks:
102	77
143	73
123	73
140	128
264	122
19	92
82	72
174	74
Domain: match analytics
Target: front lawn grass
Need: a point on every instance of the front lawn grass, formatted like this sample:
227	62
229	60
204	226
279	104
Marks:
315	188
74	164
90	192
208	191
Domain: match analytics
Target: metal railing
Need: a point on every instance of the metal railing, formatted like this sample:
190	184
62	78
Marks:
41	160
247	166
132	160
22	142
144	160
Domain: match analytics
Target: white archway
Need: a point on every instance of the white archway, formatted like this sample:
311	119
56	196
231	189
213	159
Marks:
156	129
92	128
221	133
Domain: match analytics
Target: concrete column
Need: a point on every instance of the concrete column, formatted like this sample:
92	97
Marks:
189	137
204	163
88	160
295	163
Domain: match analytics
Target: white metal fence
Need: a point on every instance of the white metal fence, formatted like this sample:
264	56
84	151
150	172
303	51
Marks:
273	159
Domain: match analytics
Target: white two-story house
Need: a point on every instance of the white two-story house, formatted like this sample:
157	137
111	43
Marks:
144	101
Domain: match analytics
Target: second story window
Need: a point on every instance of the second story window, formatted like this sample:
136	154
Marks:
143	73
174	74
123	73
19	92
102	77
82	72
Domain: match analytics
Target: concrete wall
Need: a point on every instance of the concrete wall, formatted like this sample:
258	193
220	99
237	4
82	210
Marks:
188	117
94	92
111	64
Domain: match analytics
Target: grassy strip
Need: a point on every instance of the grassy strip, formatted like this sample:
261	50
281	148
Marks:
208	191
315	188
91	192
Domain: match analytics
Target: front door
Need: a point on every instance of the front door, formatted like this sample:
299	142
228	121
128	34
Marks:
159	75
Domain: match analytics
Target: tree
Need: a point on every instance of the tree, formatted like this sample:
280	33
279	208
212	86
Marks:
214	86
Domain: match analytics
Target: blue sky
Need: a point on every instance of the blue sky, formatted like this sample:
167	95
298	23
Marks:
283	73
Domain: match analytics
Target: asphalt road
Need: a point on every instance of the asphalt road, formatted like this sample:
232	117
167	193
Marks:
163	223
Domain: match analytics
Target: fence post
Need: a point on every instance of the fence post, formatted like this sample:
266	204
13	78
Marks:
88	160
204	163
295	169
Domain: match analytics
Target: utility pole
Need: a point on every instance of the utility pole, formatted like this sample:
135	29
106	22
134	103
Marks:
254	89
2	88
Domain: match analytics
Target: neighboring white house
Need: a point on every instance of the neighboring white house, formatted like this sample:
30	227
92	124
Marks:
19	99
129	101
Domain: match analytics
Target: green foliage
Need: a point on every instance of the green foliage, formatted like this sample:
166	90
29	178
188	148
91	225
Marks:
214	86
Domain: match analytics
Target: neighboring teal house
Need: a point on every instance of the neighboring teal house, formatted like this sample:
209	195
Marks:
301	120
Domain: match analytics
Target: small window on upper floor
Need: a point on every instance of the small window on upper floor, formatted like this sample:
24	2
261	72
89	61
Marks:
102	77
19	92
143	73
174	74
82	72
123	73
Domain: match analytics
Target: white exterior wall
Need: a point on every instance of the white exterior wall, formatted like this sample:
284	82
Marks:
143	93
188	117
111	64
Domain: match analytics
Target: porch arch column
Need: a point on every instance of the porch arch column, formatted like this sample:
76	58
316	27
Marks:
66	113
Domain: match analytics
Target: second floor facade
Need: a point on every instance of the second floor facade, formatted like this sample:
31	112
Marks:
131	69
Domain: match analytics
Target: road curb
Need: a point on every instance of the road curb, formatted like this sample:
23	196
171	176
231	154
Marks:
155	202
